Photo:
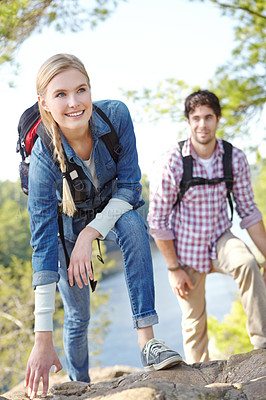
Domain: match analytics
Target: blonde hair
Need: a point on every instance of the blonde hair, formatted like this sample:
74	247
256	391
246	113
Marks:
50	68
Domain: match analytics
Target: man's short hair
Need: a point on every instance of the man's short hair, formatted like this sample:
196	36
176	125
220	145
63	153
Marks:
202	98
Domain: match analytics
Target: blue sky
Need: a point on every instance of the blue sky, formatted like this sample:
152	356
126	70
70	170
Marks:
144	42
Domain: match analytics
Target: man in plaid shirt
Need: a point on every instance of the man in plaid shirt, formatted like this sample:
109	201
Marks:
195	238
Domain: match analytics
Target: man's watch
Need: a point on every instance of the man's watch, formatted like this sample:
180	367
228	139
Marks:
174	268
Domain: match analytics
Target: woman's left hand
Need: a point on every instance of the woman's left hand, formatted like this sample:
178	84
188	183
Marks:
80	260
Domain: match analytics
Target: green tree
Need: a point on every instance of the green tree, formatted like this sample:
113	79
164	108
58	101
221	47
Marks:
143	210
240	83
20	18
16	320
260	188
17	295
229	336
14	227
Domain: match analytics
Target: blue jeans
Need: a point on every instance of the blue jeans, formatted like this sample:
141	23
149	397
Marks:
131	235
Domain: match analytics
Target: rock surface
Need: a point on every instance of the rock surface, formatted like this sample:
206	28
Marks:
242	377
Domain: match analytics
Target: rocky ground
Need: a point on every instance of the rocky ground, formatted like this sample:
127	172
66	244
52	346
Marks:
241	377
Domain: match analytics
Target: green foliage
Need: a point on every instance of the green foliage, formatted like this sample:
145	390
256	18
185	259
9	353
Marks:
250	31
166	100
230	336
14	227
16	320
145	196
17	295
260	188
239	84
20	18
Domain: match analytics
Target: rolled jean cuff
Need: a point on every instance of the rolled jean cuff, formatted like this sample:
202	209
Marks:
145	321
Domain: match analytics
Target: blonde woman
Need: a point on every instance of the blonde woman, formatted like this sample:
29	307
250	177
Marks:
109	212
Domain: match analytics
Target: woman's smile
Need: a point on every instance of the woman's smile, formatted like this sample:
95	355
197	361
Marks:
68	99
75	114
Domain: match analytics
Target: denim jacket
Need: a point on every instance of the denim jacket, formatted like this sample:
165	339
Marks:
119	180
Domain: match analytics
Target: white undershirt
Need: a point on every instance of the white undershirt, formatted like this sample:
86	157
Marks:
207	164
90	164
103	222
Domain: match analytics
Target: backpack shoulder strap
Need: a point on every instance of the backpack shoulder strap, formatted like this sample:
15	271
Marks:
73	174
187	166
187	173
188	180
110	140
46	139
228	173
227	165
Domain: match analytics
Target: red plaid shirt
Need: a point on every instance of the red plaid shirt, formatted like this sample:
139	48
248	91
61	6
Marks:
202	217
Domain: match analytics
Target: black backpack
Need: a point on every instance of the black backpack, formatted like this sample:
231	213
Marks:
30	127
188	180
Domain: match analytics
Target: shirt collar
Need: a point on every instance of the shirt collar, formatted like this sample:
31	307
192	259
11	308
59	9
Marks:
98	126
188	149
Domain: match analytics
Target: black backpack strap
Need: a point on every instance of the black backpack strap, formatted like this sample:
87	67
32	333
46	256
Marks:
228	173
61	234
73	172
187	174
110	139
187	179
46	139
93	283
227	165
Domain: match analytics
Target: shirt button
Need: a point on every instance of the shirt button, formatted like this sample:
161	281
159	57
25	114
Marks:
138	188
95	161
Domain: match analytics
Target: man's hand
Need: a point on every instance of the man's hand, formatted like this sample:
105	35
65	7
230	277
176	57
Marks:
80	261
42	357
180	282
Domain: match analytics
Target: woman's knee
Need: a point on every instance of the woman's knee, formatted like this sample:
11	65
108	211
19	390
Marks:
76	322
132	225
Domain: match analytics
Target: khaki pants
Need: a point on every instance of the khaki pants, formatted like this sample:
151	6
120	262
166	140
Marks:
235	259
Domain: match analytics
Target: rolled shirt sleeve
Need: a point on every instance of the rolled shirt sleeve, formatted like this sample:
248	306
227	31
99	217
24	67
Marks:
44	307
242	191
163	194
106	219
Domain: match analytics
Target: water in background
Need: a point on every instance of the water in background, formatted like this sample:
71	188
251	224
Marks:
120	345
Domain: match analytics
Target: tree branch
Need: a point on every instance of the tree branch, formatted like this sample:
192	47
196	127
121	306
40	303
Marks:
248	10
12	319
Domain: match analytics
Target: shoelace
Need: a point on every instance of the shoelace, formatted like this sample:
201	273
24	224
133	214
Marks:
155	348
